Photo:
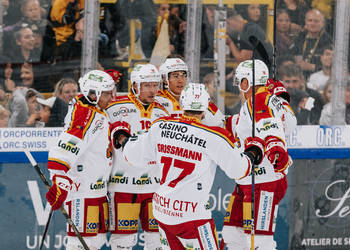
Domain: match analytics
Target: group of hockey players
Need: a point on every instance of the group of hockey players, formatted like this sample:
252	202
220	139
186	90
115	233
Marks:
150	158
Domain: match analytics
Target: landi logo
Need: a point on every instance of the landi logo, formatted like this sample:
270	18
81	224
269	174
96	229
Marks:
118	178
100	184
266	126
69	146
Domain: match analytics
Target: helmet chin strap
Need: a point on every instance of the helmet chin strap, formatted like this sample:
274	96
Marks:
137	96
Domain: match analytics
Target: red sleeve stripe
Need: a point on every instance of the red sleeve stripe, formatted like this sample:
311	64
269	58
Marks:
216	130
228	124
56	164
248	170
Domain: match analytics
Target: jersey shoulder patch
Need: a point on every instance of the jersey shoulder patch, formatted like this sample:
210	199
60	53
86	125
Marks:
262	110
212	108
81	119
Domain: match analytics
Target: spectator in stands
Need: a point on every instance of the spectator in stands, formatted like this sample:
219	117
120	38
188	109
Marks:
319	79
301	104
53	111
23	50
209	82
293	78
327	92
6	77
207	35
252	13
33	109
296	10
4	97
66	89
284	60
177	32
4	117
310	43
151	21
239	31
64	15
27	75
5	6
284	35
327	7
31	18
327	113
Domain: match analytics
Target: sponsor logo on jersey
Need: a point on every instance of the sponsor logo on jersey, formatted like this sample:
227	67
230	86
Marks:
118	178
92	219
98	125
153	222
259	171
127	224
124	111
144	179
206	236
276	103
267	125
265	211
69	146
100	184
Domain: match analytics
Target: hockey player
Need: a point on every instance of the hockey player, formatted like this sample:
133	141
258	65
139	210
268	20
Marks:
273	117
80	162
132	191
188	154
174	73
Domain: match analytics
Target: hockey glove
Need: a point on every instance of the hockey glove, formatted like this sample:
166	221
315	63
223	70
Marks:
254	149
119	128
276	87
114	74
58	192
276	153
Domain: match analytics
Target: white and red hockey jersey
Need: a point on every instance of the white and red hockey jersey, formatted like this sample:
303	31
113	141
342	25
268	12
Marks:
188	154
272	118
123	178
83	151
212	116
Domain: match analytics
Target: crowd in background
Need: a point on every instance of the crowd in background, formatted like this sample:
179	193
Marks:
41	51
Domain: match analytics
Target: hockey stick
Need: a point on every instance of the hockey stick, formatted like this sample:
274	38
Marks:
274	41
45	230
252	230
259	47
63	210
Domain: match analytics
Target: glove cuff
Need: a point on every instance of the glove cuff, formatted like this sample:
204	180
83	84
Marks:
63	182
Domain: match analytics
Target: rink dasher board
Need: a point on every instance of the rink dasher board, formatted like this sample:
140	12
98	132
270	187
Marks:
305	142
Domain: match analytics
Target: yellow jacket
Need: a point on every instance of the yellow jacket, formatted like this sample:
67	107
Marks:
61	28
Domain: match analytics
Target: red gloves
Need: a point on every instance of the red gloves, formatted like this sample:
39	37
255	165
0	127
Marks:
276	87
114	74
276	153
58	192
254	149
119	128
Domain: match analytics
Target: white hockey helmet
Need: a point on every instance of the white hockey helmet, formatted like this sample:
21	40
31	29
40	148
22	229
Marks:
172	65
144	73
95	82
245	70
194	97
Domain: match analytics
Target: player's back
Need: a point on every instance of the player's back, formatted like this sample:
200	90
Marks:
189	153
